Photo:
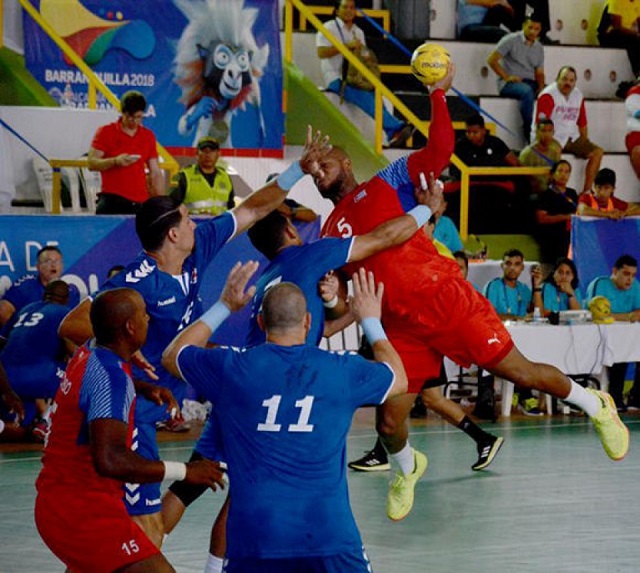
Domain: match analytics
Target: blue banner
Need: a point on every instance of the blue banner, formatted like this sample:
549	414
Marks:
206	67
597	243
92	245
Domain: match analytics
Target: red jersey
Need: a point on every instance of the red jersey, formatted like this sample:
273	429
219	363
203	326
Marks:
97	384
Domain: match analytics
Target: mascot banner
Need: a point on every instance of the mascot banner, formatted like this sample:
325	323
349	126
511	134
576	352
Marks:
597	243
206	67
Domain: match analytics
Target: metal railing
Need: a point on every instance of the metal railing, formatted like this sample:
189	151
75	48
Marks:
328	11
381	91
95	84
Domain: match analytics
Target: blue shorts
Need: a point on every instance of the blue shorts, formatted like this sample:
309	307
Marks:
356	562
143	499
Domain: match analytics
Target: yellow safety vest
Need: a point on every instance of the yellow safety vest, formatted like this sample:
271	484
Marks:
200	197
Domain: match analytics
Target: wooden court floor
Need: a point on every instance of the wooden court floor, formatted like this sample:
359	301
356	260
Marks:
551	502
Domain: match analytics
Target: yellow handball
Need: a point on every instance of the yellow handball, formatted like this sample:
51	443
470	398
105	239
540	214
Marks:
429	63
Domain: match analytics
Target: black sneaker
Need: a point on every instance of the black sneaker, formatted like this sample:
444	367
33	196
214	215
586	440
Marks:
372	461
486	452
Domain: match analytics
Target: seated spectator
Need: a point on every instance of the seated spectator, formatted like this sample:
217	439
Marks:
512	301
205	187
622	290
518	60
446	231
34	357
120	151
620	28
491	198
463	262
563	103
554	209
524	8
543	152
30	288
602	203
484	20
333	66
560	290
632	140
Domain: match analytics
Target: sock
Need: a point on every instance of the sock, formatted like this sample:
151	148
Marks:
214	564
473	431
405	459
583	399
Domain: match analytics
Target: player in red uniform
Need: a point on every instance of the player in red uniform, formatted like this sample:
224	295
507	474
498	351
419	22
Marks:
429	310
79	510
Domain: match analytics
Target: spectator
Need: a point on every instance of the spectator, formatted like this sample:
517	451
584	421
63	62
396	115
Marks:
30	288
632	141
524	8
491	198
445	231
484	20
560	290
205	188
512	301
35	356
518	60
563	103
543	152
343	28
554	209
462	259
622	290
602	203
620	28
120	151
79	512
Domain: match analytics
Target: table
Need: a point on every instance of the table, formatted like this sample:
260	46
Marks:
481	272
574	349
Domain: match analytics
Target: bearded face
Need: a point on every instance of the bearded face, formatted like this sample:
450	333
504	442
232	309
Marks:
226	69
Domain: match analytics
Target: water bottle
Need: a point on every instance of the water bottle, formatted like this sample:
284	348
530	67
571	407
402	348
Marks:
536	315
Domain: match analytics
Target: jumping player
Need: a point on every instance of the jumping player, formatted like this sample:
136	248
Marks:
430	311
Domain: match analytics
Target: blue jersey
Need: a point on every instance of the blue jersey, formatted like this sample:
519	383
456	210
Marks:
508	300
303	266
285	413
172	302
34	352
621	300
556	300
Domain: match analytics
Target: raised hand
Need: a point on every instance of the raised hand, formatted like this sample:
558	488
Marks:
445	83
430	193
234	295
316	148
328	287
367	298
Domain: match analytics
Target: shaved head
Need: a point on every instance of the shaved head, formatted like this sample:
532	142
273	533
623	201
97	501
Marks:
57	291
283	307
110	312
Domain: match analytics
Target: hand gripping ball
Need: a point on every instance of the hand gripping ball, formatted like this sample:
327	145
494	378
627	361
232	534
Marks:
429	63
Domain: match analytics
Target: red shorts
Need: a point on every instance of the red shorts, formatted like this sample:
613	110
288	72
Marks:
450	318
90	531
632	140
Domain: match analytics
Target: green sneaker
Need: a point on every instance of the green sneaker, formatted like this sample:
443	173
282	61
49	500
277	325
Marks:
400	496
515	400
614	435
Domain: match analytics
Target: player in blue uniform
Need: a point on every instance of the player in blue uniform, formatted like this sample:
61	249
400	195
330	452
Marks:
35	356
303	265
278	401
167	274
30	288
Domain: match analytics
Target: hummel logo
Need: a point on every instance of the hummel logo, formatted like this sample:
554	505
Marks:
167	302
140	273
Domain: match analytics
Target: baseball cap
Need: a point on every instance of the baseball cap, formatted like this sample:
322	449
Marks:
208	142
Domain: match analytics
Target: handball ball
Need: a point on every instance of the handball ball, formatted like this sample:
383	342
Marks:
429	63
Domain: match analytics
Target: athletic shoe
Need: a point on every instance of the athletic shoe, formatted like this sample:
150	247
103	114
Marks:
614	435
372	461
486	452
40	430
530	407
400	496
173	425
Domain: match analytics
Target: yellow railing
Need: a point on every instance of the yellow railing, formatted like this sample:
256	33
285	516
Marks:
95	85
382	91
56	183
328	11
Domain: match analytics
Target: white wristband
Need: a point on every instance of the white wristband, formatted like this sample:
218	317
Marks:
175	471
331	303
216	315
421	213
